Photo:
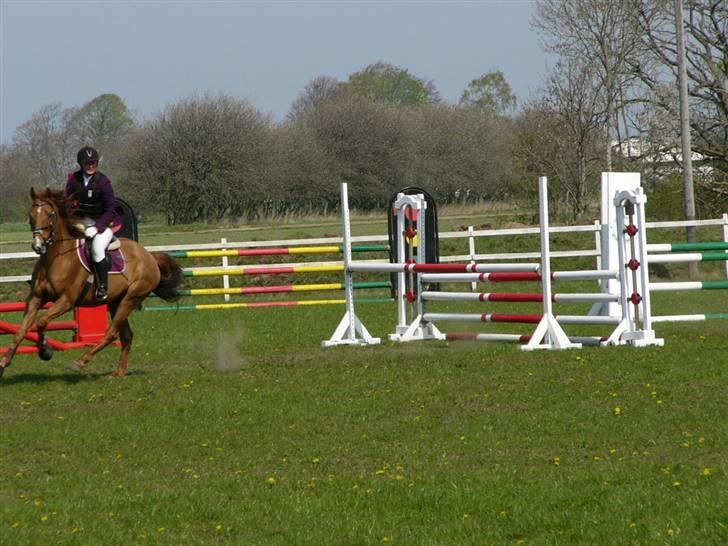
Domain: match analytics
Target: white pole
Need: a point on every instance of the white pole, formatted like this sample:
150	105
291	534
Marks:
225	278
725	239
545	247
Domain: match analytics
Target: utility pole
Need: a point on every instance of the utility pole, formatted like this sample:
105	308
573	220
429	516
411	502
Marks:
687	160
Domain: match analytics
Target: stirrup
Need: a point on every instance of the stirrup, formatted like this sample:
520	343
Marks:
102	293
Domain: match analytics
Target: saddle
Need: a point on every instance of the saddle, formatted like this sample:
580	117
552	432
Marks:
113	254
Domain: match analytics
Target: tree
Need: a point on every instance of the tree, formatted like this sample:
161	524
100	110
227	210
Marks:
103	122
385	83
490	93
457	153
365	144
706	50
202	158
46	143
316	92
559	136
600	33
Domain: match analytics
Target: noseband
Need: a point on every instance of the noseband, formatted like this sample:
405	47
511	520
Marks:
51	225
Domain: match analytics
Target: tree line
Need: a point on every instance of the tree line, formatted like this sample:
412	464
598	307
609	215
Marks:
609	103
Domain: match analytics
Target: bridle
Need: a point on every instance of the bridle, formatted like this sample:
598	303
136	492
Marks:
37	231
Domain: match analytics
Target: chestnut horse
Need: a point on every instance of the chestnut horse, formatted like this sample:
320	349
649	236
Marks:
59	277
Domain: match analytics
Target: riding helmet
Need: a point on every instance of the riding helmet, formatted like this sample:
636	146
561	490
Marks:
86	154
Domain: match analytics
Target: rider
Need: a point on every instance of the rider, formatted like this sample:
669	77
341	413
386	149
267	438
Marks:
91	191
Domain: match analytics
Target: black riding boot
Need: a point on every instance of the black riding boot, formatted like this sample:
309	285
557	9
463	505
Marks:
101	272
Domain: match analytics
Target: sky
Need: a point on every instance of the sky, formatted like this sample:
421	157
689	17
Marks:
152	53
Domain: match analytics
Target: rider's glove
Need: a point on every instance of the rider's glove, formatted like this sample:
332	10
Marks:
91	232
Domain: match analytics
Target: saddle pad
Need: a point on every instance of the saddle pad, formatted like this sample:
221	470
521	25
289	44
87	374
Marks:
118	264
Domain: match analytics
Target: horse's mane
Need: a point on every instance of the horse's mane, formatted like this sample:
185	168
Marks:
66	208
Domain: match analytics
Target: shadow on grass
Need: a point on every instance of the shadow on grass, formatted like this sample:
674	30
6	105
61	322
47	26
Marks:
70	378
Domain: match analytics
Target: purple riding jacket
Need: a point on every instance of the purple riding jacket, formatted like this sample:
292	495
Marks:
96	201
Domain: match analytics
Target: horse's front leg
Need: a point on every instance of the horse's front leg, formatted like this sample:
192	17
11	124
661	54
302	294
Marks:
32	305
45	351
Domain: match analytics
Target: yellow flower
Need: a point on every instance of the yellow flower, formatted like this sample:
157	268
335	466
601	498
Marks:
676	483
557	461
271	481
706	471
617	410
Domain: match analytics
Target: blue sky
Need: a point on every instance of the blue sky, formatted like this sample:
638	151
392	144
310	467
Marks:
152	53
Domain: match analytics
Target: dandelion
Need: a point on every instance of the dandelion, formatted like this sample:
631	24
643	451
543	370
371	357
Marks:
462	438
707	471
557	461
316	460
632	525
386	539
219	527
271	481
617	410
670	532
45	517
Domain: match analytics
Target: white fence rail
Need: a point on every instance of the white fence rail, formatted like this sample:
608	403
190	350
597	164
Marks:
473	236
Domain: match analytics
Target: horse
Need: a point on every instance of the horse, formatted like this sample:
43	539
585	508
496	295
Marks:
59	277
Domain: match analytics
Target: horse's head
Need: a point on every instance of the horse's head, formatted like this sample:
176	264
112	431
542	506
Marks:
44	219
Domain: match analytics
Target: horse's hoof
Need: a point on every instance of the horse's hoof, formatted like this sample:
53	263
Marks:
45	352
2	370
75	366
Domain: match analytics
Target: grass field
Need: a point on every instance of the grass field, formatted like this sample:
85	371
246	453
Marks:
236	427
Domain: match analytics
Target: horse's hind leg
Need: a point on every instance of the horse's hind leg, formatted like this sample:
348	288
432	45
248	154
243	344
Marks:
126	336
120	315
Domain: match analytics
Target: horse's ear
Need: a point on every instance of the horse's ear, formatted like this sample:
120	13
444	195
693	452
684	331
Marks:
32	193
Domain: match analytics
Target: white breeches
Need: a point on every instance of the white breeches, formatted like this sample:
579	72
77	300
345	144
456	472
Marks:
100	242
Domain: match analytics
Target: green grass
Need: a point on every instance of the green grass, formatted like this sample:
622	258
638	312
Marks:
235	427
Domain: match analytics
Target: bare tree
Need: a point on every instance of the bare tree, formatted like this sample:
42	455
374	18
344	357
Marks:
561	136
601	33
47	144
317	91
706	51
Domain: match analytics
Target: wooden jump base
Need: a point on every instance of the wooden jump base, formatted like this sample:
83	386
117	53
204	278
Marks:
88	327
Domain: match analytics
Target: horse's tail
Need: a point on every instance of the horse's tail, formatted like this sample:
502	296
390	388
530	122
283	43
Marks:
170	277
